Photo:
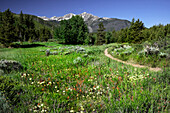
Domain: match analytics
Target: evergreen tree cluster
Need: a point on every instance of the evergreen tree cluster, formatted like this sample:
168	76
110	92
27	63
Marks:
7	29
75	31
21	29
72	31
137	33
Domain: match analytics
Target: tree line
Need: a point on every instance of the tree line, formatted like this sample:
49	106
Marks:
138	33
74	31
22	28
68	32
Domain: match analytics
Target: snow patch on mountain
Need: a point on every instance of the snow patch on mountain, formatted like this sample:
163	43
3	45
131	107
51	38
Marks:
86	16
106	18
44	18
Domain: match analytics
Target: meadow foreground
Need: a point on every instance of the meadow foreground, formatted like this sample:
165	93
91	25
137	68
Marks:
79	79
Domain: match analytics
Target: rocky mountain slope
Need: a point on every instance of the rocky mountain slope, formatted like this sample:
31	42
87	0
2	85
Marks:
93	21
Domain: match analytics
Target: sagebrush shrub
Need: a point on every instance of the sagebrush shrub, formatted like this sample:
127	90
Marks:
4	107
10	65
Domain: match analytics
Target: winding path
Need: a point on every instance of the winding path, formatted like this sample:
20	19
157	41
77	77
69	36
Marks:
134	65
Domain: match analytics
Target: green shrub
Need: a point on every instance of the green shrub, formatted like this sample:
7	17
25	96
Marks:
52	40
10	90
4	107
94	51
54	53
10	65
141	53
163	55
78	60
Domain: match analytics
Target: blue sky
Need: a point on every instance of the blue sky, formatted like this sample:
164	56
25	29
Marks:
150	12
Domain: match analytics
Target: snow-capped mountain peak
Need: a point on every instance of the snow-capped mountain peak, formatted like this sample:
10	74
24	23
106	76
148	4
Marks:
54	18
87	16
68	16
93	21
44	18
84	15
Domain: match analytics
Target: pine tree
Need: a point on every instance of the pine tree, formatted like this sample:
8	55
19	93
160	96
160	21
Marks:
65	31
17	30
29	28
90	39
122	35
108	37
0	18
22	27
44	34
32	29
73	31
167	29
21	18
114	36
37	35
135	31
100	35
7	29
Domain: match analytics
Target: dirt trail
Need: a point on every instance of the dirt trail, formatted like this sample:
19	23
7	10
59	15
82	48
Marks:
134	65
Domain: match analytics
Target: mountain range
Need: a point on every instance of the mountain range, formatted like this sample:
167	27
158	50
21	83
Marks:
92	21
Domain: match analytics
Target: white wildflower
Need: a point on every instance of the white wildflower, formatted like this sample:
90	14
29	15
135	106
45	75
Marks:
24	74
42	111
71	111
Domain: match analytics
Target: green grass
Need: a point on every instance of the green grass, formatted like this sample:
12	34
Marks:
96	84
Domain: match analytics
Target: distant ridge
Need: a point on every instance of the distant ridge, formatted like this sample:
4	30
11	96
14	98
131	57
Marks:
93	21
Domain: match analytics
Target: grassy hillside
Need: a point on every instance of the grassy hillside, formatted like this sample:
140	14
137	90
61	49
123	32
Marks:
81	79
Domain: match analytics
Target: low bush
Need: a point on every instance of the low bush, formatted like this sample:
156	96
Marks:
94	51
10	65
163	55
4	107
78	60
54	53
11	90
52	40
